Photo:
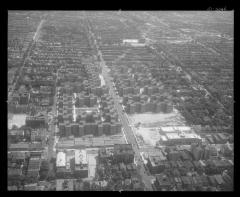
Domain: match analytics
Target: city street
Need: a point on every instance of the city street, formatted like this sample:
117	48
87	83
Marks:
128	131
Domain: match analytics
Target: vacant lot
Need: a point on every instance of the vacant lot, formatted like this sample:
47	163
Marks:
147	133
147	136
157	120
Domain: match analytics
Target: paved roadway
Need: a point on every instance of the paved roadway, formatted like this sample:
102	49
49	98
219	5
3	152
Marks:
36	35
52	127
128	130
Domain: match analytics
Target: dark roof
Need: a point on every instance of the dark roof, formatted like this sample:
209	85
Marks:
196	164
14	172
163	180
180	164
137	186
11	188
212	180
227	178
184	155
204	179
185	180
134	167
122	147
195	180
219	179
199	180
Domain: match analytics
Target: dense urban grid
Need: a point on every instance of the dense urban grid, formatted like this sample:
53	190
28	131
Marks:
120	100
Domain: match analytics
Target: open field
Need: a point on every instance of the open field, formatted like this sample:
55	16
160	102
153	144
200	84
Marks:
147	134
157	120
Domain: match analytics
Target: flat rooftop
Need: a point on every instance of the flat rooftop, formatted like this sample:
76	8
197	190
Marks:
81	157
182	135
61	159
158	120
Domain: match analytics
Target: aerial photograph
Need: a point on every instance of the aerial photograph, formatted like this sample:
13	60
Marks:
120	100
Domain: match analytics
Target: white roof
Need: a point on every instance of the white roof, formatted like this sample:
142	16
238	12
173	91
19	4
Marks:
183	128
192	135
175	128
91	160
61	159
163	138
81	157
172	136
202	163
167	129
138	44
183	135
130	40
